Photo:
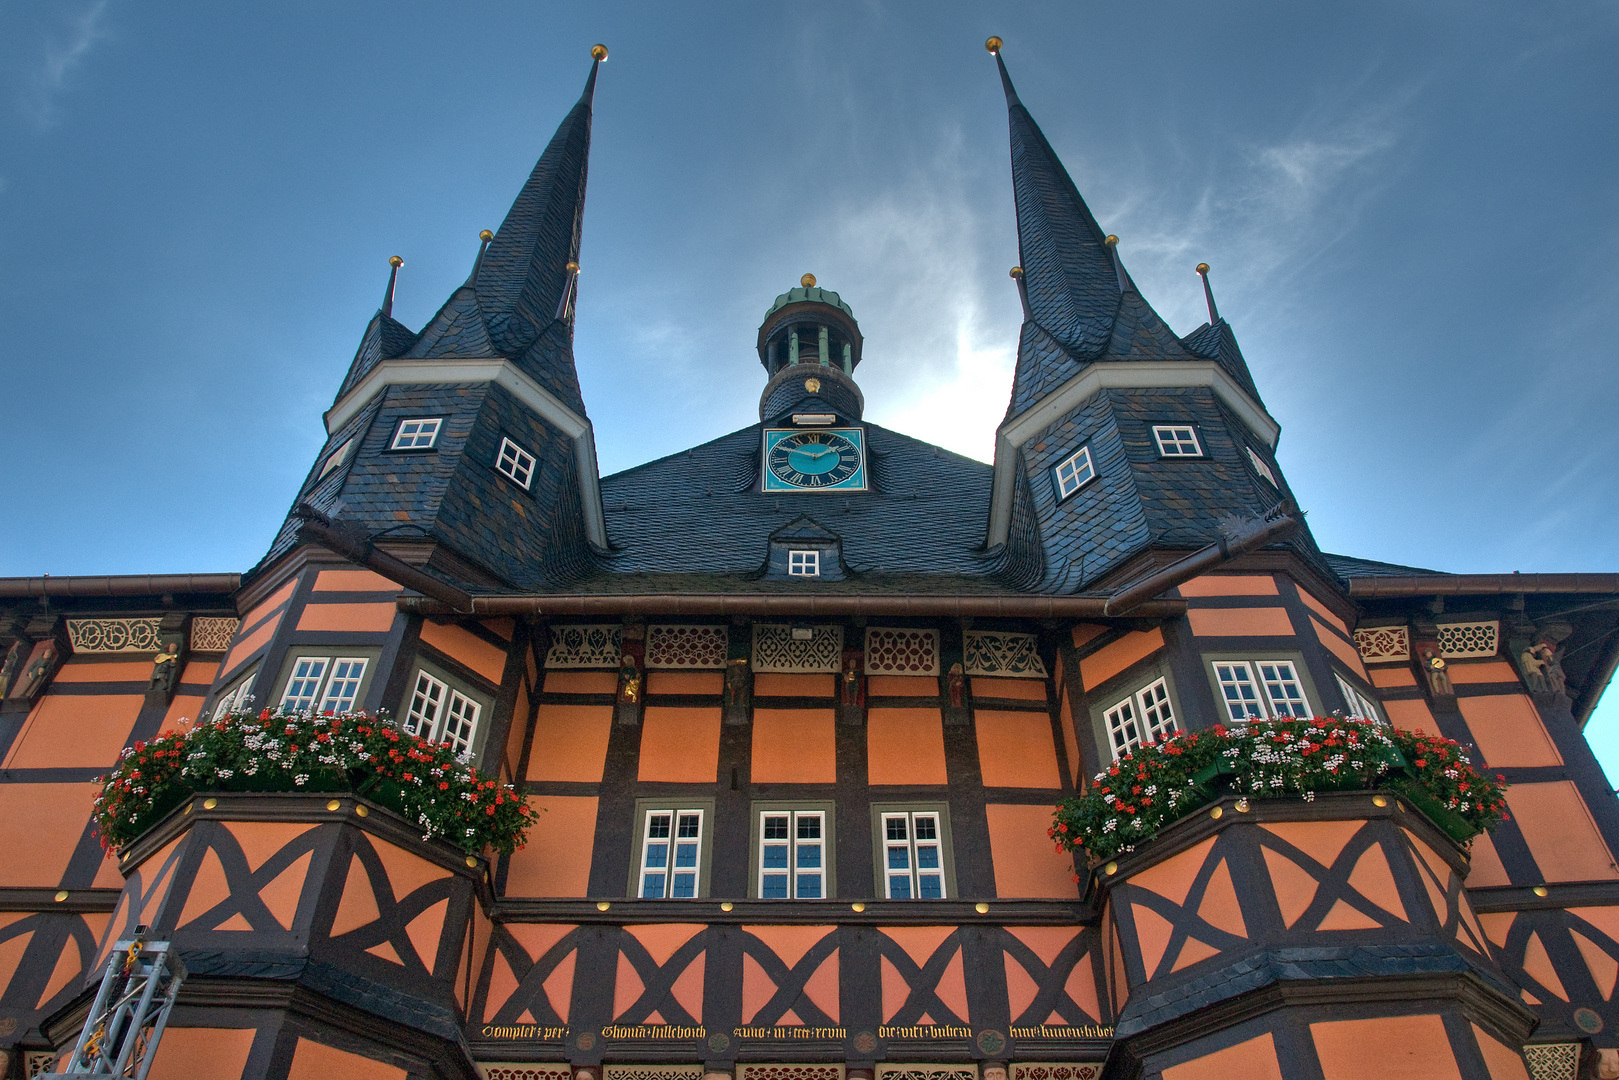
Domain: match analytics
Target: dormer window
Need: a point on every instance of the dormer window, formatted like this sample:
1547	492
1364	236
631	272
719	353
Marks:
515	463
336	458
1176	440
1261	468
418	434
804	564
1071	475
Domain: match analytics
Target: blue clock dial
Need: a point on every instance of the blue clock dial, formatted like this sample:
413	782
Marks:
823	459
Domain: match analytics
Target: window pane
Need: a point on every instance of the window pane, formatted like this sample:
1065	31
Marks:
899	858
927	857
344	686
1157	717
652	887
773	887
1122	729
686	855
425	701
657	855
927	827
899	886
657	825
809	856
304	686
896	828
773	857
809	827
461	722
775	828
1238	689
690	826
809	886
684	887
932	887
1283	689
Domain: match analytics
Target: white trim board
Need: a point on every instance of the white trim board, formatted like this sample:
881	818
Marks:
505	374
1126	375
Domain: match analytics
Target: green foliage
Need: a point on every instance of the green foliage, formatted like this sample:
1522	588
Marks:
424	782
1156	784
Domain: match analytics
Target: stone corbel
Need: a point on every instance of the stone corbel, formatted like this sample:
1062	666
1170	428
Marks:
173	637
631	694
50	651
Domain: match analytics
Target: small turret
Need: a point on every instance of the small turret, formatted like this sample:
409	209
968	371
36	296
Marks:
810	344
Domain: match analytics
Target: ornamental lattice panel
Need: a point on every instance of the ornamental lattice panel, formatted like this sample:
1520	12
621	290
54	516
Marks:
927	1072
523	1070
113	635
776	650
38	1062
790	1072
687	647
653	1072
211	634
901	651
1552	1061
585	646
1464	640
1380	644
993	652
1051	1070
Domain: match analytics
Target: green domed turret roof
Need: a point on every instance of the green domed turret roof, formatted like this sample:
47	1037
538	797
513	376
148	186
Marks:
809	295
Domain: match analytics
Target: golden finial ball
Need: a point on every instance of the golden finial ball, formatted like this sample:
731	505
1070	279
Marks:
808	281
812	386
486	236
1111	240
993	44
1202	268
573	268
1015	272
598	51
395	260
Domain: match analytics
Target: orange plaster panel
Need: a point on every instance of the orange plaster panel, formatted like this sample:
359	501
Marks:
1085	632
358	906
424	932
1020	989
1025	861
1385	677
905	746
1115	656
251	620
281	895
407	871
1230	585
358	618
794	746
73	731
1173	878
1508	730
1320	840
1604	968
1251	1060
1560	832
1070	739
790	943
1344	917
558	986
202	1053
502	985
1326	613
952	988
1468	673
252	643
1412	715
1487	868
1015	749
685	682
1220	908
1152	936
261	839
463	645
1240	622
1294	887
680	746
1538	966
317	1061
570	743
353	581
1503	1062
902	686
1373	880
1046	942
556	861
775	684
181	708
43	826
208	888
85	671
68	964
1021	689
1346	653
581	682
1389	1048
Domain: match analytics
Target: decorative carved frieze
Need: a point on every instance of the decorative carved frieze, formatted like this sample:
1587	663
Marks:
590	646
926	1072
901	651
210	634
994	652
113	635
653	1072
1381	644
38	1062
1552	1061
1051	1070
686	647
1465	640
523	1070
775	649
790	1072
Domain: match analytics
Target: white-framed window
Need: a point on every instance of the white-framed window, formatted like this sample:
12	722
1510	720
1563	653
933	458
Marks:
417	434
1143	717
1256	689
1176	440
804	563
671	854
1361	707
792	854
1074	473
339	677
440	713
236	697
1261	468
516	463
913	855
336	458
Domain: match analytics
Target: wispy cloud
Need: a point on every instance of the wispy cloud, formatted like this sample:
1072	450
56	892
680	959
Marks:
63	52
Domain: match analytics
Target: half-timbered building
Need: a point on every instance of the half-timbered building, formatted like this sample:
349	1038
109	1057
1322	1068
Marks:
796	704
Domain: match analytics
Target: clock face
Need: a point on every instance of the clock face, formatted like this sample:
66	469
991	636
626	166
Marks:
815	459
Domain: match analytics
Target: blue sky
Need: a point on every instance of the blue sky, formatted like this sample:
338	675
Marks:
1411	210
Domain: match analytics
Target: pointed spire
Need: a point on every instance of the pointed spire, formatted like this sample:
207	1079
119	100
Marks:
394	263
1208	293
1070	277
525	278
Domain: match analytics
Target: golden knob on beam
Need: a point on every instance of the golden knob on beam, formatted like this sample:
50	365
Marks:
1111	241
395	260
598	51
1016	272
808	281
485	235
1202	268
993	44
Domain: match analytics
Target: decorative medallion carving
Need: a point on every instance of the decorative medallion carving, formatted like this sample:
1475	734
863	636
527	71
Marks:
211	634
995	652
775	649
790	1072
596	646
1380	644
113	635
1467	640
523	1070
901	651
1051	1070
1552	1061
686	647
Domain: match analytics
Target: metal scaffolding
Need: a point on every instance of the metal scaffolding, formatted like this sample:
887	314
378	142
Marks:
137	992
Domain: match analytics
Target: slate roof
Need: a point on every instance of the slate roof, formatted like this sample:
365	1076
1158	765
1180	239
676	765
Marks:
1347	566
